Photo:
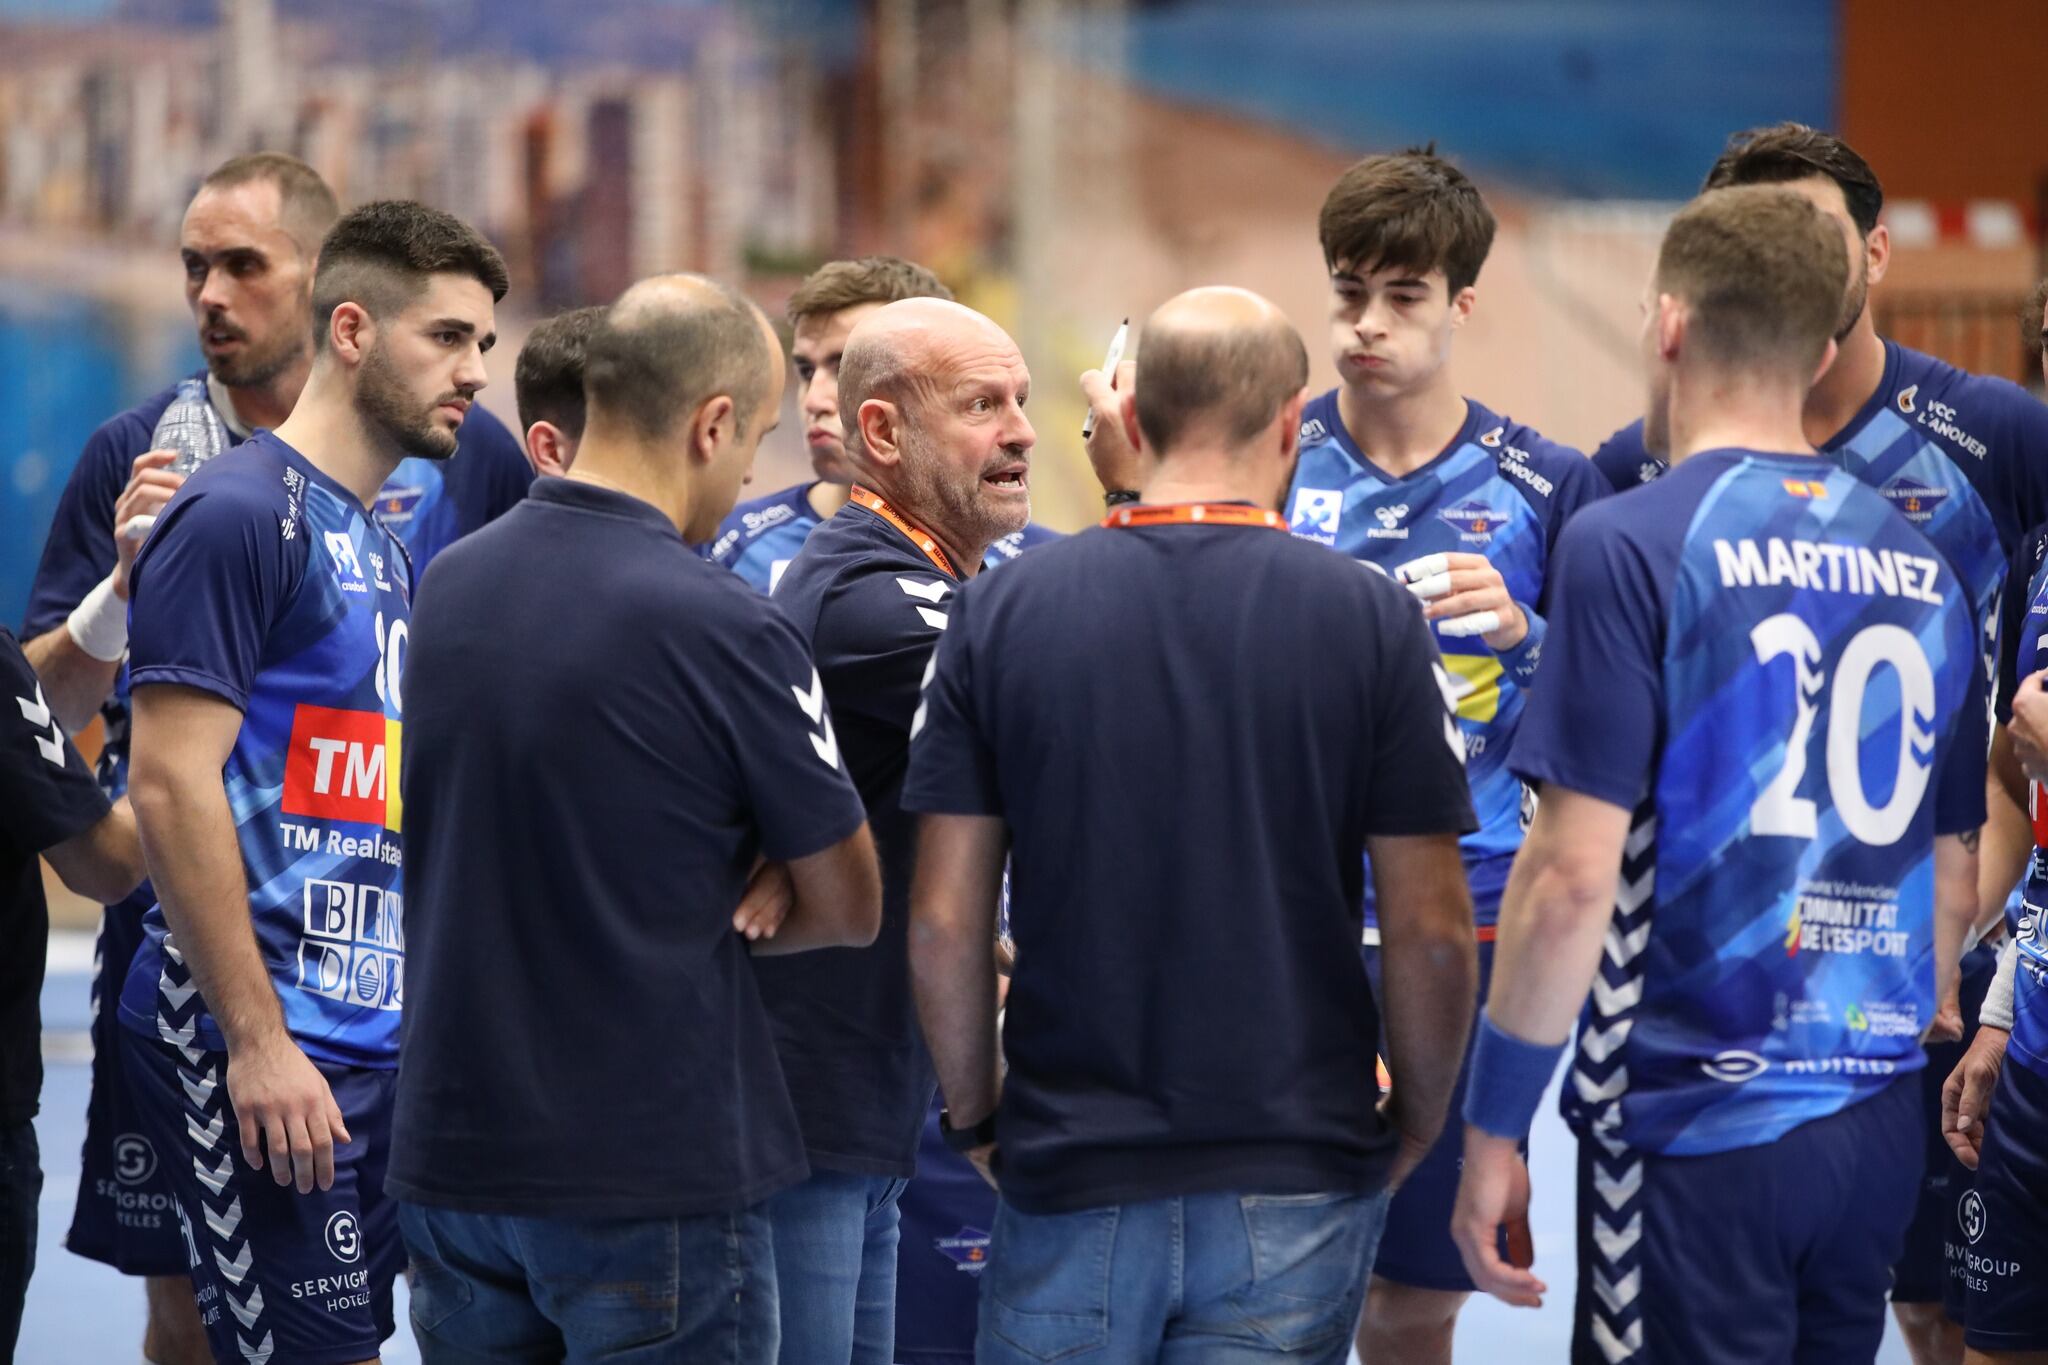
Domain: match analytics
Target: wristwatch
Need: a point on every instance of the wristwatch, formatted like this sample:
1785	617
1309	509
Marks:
967	1139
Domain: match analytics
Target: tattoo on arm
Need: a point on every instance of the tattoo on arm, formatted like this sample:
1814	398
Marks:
1971	838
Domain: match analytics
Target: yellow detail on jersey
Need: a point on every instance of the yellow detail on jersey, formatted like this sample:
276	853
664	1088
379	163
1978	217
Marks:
1792	935
1477	680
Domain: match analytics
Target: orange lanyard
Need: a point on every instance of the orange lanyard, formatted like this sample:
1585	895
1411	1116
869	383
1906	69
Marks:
873	502
1191	513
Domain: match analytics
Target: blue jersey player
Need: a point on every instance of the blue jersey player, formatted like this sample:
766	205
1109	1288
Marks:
260	1015
1763	704
1965	458
762	535
248	242
1400	470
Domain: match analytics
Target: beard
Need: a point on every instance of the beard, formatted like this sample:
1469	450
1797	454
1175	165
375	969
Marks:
387	406
1854	302
256	366
944	498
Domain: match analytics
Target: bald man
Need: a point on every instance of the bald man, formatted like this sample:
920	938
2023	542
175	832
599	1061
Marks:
931	396
594	766
1187	728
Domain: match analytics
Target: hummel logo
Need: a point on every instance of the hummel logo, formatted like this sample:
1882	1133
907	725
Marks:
812	704
37	714
1390	517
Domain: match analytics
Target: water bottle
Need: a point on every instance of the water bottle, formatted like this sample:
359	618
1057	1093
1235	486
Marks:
191	427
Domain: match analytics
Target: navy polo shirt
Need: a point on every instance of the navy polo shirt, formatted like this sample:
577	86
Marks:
1190	730
872	607
603	732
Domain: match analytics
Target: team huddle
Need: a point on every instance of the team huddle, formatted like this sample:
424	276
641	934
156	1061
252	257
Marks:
858	924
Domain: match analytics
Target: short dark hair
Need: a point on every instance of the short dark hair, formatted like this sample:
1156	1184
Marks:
1784	152
1762	272
1412	210
305	204
381	254
1236	379
2031	329
547	379
650	367
838	285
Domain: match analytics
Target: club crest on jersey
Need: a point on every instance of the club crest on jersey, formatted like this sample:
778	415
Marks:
1914	499
1316	513
967	1249
1906	397
397	503
1473	520
1491	440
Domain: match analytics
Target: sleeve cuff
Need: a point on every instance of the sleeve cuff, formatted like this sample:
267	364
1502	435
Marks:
1520	662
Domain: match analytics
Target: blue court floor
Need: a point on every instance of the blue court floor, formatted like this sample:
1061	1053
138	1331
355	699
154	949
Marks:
81	1313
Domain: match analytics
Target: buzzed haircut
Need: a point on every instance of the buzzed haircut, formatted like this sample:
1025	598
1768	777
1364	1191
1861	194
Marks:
652	366
1412	211
1784	152
1233	379
381	255
547	379
306	205
839	285
1762	271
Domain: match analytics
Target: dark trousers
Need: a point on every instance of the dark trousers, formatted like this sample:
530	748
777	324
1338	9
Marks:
21	1185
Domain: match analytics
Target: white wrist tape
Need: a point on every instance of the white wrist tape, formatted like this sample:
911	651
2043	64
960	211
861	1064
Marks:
99	624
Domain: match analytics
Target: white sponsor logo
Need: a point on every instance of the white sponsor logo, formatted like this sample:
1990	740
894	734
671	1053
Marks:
348	570
1734	1066
1313	430
1316	513
352	948
1970	1216
134	1159
344	1238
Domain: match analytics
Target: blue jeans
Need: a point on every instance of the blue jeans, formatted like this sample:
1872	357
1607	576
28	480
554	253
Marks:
835	1259
1207	1279
649	1291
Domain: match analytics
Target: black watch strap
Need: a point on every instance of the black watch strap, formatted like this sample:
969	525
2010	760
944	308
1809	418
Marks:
966	1139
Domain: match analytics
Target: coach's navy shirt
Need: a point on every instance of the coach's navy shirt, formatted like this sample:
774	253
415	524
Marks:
1190	730
872	607
603	733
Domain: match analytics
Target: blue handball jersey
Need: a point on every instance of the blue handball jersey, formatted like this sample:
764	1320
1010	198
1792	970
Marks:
1499	489
758	538
269	585
2024	657
1776	672
427	502
1964	457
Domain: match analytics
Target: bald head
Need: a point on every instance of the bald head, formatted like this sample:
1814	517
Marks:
905	352
1215	364
669	345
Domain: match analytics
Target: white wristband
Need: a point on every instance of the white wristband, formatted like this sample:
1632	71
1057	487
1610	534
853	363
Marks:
99	625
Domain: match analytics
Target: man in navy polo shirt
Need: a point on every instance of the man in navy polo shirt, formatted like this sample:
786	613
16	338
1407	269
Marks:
1187	728
932	396
590	1112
